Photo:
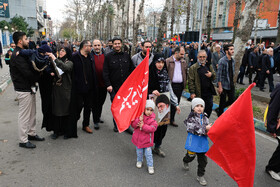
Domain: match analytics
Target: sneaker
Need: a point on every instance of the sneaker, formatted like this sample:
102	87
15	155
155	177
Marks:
274	175
186	166
201	180
151	170
96	126
159	152
139	164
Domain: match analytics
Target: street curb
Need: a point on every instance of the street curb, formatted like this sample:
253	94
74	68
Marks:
4	85
258	124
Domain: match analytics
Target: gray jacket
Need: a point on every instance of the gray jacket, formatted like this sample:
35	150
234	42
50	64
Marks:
137	59
223	74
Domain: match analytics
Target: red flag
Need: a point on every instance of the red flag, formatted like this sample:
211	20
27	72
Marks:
130	100
179	39
233	137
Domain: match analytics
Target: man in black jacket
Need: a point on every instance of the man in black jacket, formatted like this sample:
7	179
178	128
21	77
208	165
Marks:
24	78
85	82
273	167
117	67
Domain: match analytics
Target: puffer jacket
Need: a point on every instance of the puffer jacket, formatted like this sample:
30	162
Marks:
143	138
196	123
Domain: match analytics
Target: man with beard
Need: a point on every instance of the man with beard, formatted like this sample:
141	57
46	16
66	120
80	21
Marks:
85	82
139	57
109	48
117	67
200	78
24	78
225	74
177	72
102	90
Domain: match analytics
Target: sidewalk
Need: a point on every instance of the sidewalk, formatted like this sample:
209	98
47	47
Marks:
5	78
256	93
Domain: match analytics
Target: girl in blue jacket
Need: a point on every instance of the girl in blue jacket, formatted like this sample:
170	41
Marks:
197	143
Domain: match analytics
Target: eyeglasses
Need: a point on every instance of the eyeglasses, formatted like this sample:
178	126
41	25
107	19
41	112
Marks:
13	46
161	59
202	57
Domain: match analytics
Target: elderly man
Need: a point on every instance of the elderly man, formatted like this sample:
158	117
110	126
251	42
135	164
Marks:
267	70
200	78
139	57
177	72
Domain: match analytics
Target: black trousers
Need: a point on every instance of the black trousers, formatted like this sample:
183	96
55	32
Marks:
177	89
201	159
264	75
223	102
159	135
257	78
98	104
251	72
274	162
60	124
84	101
208	99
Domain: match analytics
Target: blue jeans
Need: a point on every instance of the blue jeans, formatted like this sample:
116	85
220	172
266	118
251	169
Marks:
148	155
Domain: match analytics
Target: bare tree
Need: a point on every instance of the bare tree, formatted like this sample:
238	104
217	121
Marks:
209	18
244	31
127	18
188	12
278	28
133	21
236	18
141	6
162	23
172	17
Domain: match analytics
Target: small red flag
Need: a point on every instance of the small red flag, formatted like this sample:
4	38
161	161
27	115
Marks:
233	137
130	100
179	39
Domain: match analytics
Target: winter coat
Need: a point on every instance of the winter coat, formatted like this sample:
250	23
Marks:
117	67
62	92
197	139
196	123
194	79
23	74
215	60
223	73
143	138
171	67
137	59
273	111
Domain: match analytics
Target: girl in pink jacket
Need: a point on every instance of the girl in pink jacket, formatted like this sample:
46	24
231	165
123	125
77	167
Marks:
143	136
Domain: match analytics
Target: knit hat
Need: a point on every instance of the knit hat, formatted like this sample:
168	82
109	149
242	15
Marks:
44	48
162	99
197	101
150	104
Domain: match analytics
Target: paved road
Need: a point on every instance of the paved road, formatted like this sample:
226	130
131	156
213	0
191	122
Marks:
105	158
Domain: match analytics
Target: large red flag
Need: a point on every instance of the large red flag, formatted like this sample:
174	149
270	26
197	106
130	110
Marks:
130	100
233	137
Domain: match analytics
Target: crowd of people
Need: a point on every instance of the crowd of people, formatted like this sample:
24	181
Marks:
77	77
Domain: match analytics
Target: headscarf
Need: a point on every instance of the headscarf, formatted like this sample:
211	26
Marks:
67	56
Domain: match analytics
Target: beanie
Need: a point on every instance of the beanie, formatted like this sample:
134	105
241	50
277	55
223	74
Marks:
150	104
162	99
44	48
197	101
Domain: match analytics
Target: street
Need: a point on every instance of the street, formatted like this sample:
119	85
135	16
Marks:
105	158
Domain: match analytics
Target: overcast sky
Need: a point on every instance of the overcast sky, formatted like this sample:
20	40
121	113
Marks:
55	8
